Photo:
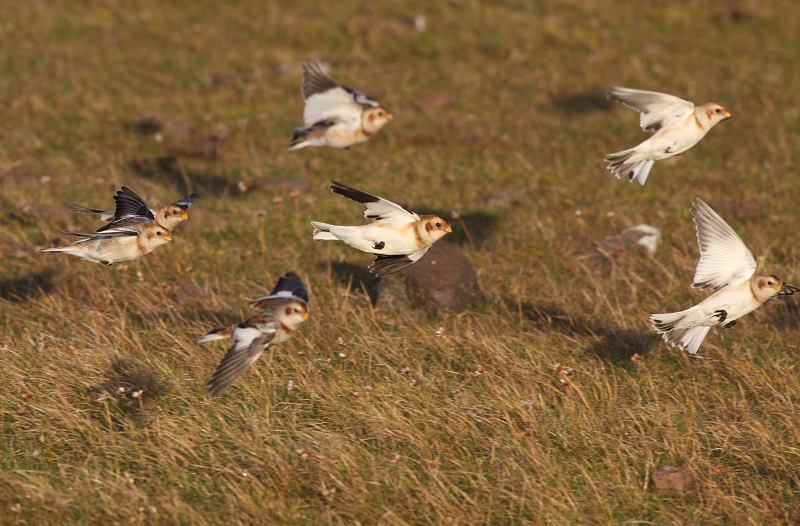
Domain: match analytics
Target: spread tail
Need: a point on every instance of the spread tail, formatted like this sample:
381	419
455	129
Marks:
620	165
687	338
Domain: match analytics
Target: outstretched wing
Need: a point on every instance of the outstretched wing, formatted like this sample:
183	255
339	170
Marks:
326	100
724	258
384	265
288	288
116	232
186	202
377	207
130	209
657	109
129	204
250	338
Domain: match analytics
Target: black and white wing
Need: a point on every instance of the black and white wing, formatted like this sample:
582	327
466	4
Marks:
384	265
130	208
114	232
657	109
186	202
724	258
250	339
288	288
327	101
378	209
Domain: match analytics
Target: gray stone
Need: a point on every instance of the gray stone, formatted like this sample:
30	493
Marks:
443	280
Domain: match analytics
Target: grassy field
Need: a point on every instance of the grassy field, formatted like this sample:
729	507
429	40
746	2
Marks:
392	420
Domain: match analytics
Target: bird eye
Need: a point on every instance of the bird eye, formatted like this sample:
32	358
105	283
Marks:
158	233
718	110
770	283
438	225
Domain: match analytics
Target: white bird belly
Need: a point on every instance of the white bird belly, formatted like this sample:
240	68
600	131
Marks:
380	238
734	301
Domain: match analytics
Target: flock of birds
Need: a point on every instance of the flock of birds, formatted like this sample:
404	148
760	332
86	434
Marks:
339	117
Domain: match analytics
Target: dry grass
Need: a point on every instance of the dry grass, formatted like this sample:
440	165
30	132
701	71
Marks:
400	423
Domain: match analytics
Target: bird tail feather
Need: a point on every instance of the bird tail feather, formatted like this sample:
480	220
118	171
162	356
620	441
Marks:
620	165
300	137
322	231
687	338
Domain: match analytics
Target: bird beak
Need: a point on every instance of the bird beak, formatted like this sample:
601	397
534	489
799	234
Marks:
787	290
389	116
448	229
168	238
305	316
185	216
727	115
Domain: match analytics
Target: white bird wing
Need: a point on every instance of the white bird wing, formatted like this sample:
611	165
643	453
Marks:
326	100
378	209
724	258
657	109
333	106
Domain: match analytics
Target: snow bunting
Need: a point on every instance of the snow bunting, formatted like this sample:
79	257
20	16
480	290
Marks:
397	236
169	216
124	243
335	116
677	125
283	311
727	266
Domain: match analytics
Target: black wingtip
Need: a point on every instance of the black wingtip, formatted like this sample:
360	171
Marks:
315	80
353	193
291	282
130	204
186	202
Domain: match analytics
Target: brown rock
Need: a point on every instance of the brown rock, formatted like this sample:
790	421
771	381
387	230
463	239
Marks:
170	129
443	280
435	100
674	479
737	208
211	147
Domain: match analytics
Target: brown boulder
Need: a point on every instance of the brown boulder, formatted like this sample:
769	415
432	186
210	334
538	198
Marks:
674	479
443	280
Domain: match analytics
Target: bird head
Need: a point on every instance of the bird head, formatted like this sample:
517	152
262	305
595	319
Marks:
375	118
715	113
293	313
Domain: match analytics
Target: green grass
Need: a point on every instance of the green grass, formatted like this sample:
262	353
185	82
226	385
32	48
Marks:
479	429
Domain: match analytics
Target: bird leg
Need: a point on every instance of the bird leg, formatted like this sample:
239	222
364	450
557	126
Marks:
729	324
721	314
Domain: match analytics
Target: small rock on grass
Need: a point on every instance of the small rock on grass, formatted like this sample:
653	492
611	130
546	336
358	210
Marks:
674	479
443	280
